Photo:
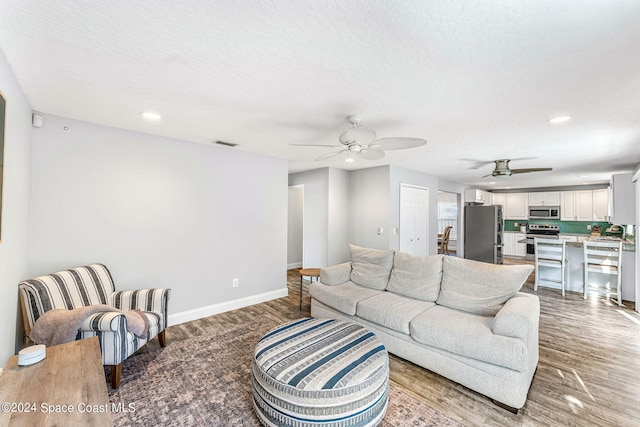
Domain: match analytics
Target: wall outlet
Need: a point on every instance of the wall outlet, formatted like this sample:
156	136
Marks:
515	224
235	282
589	227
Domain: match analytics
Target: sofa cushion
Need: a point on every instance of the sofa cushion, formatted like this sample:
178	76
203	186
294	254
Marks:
343	298
468	335
391	310
416	276
370	267
479	287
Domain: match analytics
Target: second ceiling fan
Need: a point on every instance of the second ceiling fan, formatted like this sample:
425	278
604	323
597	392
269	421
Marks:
360	141
502	169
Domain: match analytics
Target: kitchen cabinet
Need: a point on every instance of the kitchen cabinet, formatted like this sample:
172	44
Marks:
544	198
517	206
576	205
623	199
499	199
600	204
511	246
477	196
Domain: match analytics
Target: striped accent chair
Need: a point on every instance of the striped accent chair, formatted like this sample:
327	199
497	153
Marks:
89	285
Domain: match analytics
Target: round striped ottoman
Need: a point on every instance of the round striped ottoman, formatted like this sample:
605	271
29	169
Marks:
320	371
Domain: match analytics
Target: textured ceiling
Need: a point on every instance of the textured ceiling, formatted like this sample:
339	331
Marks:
477	79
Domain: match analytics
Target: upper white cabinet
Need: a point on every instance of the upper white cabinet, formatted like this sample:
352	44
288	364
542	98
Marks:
624	199
600	204
517	206
499	199
544	198
477	196
576	205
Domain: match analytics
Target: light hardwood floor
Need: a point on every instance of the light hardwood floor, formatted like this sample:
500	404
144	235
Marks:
588	373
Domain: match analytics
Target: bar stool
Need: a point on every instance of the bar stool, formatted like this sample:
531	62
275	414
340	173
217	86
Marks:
603	258
551	253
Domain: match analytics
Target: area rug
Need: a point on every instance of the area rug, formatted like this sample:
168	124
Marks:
206	381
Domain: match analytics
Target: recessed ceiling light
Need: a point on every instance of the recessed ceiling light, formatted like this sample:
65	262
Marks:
560	119
584	176
492	182
150	115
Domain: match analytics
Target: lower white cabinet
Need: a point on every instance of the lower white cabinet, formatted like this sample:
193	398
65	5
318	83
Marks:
511	246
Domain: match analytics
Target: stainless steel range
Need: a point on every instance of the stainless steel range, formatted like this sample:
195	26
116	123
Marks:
548	231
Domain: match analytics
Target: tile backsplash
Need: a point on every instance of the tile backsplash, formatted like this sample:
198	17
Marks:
568	227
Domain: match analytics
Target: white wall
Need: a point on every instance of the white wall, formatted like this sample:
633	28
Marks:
370	208
15	208
159	213
339	200
295	228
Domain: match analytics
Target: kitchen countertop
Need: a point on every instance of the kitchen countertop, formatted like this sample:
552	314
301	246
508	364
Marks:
627	246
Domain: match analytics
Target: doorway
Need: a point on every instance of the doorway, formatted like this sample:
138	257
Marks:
449	216
295	227
414	220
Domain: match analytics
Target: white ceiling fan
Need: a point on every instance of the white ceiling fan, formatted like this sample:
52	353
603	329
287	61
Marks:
502	169
360	141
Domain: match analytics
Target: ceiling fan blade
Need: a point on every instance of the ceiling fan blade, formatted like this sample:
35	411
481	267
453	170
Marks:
315	145
491	174
530	170
398	143
371	154
330	155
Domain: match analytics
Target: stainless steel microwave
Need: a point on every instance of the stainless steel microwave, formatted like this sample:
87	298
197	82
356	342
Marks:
544	212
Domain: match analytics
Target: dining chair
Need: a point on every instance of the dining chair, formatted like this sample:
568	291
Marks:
550	253
444	244
603	258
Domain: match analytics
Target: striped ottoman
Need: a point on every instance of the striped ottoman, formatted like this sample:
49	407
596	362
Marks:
320	371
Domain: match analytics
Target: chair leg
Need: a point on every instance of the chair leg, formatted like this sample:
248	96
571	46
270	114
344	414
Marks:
116	374
162	337
535	282
618	291
563	271
586	282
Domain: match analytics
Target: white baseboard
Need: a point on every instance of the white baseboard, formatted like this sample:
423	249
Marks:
211	310
294	265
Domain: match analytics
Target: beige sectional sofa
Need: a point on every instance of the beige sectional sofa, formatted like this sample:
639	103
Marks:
463	319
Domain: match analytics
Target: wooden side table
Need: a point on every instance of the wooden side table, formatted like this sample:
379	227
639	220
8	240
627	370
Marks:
310	273
67	388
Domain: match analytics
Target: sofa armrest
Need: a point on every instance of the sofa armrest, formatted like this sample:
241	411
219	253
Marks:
518	317
154	300
336	274
105	321
141	299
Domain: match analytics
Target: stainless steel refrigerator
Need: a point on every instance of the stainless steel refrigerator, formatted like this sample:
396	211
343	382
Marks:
483	227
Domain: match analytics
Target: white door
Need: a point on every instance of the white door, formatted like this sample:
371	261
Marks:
414	220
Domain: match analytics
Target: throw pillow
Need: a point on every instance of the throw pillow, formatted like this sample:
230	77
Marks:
370	267
479	287
416	277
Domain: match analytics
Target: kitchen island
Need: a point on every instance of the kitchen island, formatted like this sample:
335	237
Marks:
575	279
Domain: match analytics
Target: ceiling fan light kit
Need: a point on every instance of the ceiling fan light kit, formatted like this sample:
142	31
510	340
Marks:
360	141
